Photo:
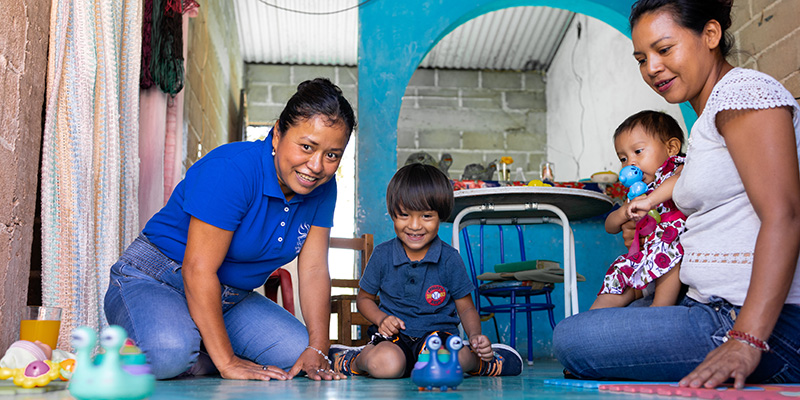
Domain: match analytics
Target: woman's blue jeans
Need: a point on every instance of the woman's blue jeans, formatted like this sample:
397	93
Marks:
667	343
145	296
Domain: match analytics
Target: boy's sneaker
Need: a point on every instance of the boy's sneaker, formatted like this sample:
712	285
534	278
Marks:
506	362
343	358
340	348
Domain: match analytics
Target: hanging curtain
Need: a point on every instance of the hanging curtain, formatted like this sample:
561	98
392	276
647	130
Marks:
90	158
174	140
161	111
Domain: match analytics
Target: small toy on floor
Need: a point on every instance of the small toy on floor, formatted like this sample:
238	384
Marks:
34	364
438	374
111	378
35	374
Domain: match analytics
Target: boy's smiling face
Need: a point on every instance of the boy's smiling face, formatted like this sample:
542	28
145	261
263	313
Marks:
416	230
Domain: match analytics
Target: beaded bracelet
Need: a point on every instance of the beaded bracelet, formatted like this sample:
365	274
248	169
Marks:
747	339
325	356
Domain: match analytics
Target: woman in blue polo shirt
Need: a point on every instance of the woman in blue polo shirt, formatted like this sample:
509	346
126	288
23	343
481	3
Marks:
241	212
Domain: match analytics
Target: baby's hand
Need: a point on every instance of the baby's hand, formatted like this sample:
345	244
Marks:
638	208
391	325
482	347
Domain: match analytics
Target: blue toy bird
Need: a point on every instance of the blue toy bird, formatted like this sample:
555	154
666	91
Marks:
453	373
631	177
434	373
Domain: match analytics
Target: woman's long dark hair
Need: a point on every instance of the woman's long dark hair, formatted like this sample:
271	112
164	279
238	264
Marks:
691	14
317	97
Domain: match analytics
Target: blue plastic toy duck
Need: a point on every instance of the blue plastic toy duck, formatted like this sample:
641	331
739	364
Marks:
108	380
631	177
434	373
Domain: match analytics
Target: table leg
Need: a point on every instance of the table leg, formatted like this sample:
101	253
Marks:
568	240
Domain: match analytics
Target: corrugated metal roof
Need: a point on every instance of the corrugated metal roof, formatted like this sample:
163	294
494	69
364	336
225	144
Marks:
275	36
518	38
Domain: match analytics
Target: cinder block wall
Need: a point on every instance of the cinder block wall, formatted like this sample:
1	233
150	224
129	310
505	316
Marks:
768	34
214	78
476	116
269	86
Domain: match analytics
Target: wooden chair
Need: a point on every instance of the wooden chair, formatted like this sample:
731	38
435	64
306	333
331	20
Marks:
344	304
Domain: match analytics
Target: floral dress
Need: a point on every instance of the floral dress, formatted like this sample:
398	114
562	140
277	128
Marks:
662	249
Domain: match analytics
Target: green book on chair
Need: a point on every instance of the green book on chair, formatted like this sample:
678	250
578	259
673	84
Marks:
525	265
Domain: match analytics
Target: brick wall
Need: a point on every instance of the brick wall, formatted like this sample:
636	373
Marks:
270	86
476	116
214	71
768	34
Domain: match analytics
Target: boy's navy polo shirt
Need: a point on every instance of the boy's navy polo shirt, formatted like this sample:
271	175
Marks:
235	187
421	293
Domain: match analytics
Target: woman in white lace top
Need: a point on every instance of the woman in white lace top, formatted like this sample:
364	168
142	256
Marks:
740	188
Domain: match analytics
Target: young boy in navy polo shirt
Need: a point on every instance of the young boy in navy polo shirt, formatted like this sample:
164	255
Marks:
423	287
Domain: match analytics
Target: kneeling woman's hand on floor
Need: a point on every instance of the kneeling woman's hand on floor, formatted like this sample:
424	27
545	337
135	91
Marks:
316	366
238	368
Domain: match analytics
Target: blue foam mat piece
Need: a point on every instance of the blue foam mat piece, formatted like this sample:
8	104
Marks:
596	384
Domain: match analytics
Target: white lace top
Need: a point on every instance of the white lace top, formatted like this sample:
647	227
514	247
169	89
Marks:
721	225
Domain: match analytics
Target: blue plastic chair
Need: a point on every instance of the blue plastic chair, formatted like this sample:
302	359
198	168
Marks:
519	297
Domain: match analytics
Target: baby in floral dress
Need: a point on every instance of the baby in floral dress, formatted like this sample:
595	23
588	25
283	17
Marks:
652	141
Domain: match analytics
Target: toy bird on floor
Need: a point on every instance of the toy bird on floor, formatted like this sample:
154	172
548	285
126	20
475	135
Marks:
435	373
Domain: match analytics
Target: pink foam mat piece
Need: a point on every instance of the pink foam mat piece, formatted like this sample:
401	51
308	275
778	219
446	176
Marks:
750	392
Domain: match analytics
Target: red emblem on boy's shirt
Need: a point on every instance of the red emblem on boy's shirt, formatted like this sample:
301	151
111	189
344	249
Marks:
435	295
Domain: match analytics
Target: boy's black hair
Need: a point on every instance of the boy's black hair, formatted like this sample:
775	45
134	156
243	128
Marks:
420	187
657	124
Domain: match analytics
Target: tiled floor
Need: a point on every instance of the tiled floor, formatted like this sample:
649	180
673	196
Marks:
530	384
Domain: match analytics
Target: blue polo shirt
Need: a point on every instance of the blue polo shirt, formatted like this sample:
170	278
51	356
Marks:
421	293
235	187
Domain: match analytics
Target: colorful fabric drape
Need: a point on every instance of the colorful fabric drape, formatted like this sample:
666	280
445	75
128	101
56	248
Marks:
89	153
161	141
163	44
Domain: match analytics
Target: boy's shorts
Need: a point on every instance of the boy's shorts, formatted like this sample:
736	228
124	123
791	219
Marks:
411	346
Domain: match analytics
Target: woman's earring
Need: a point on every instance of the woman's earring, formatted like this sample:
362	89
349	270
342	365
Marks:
273	152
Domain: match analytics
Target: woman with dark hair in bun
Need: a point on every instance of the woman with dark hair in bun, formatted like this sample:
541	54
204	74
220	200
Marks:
242	211
740	190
